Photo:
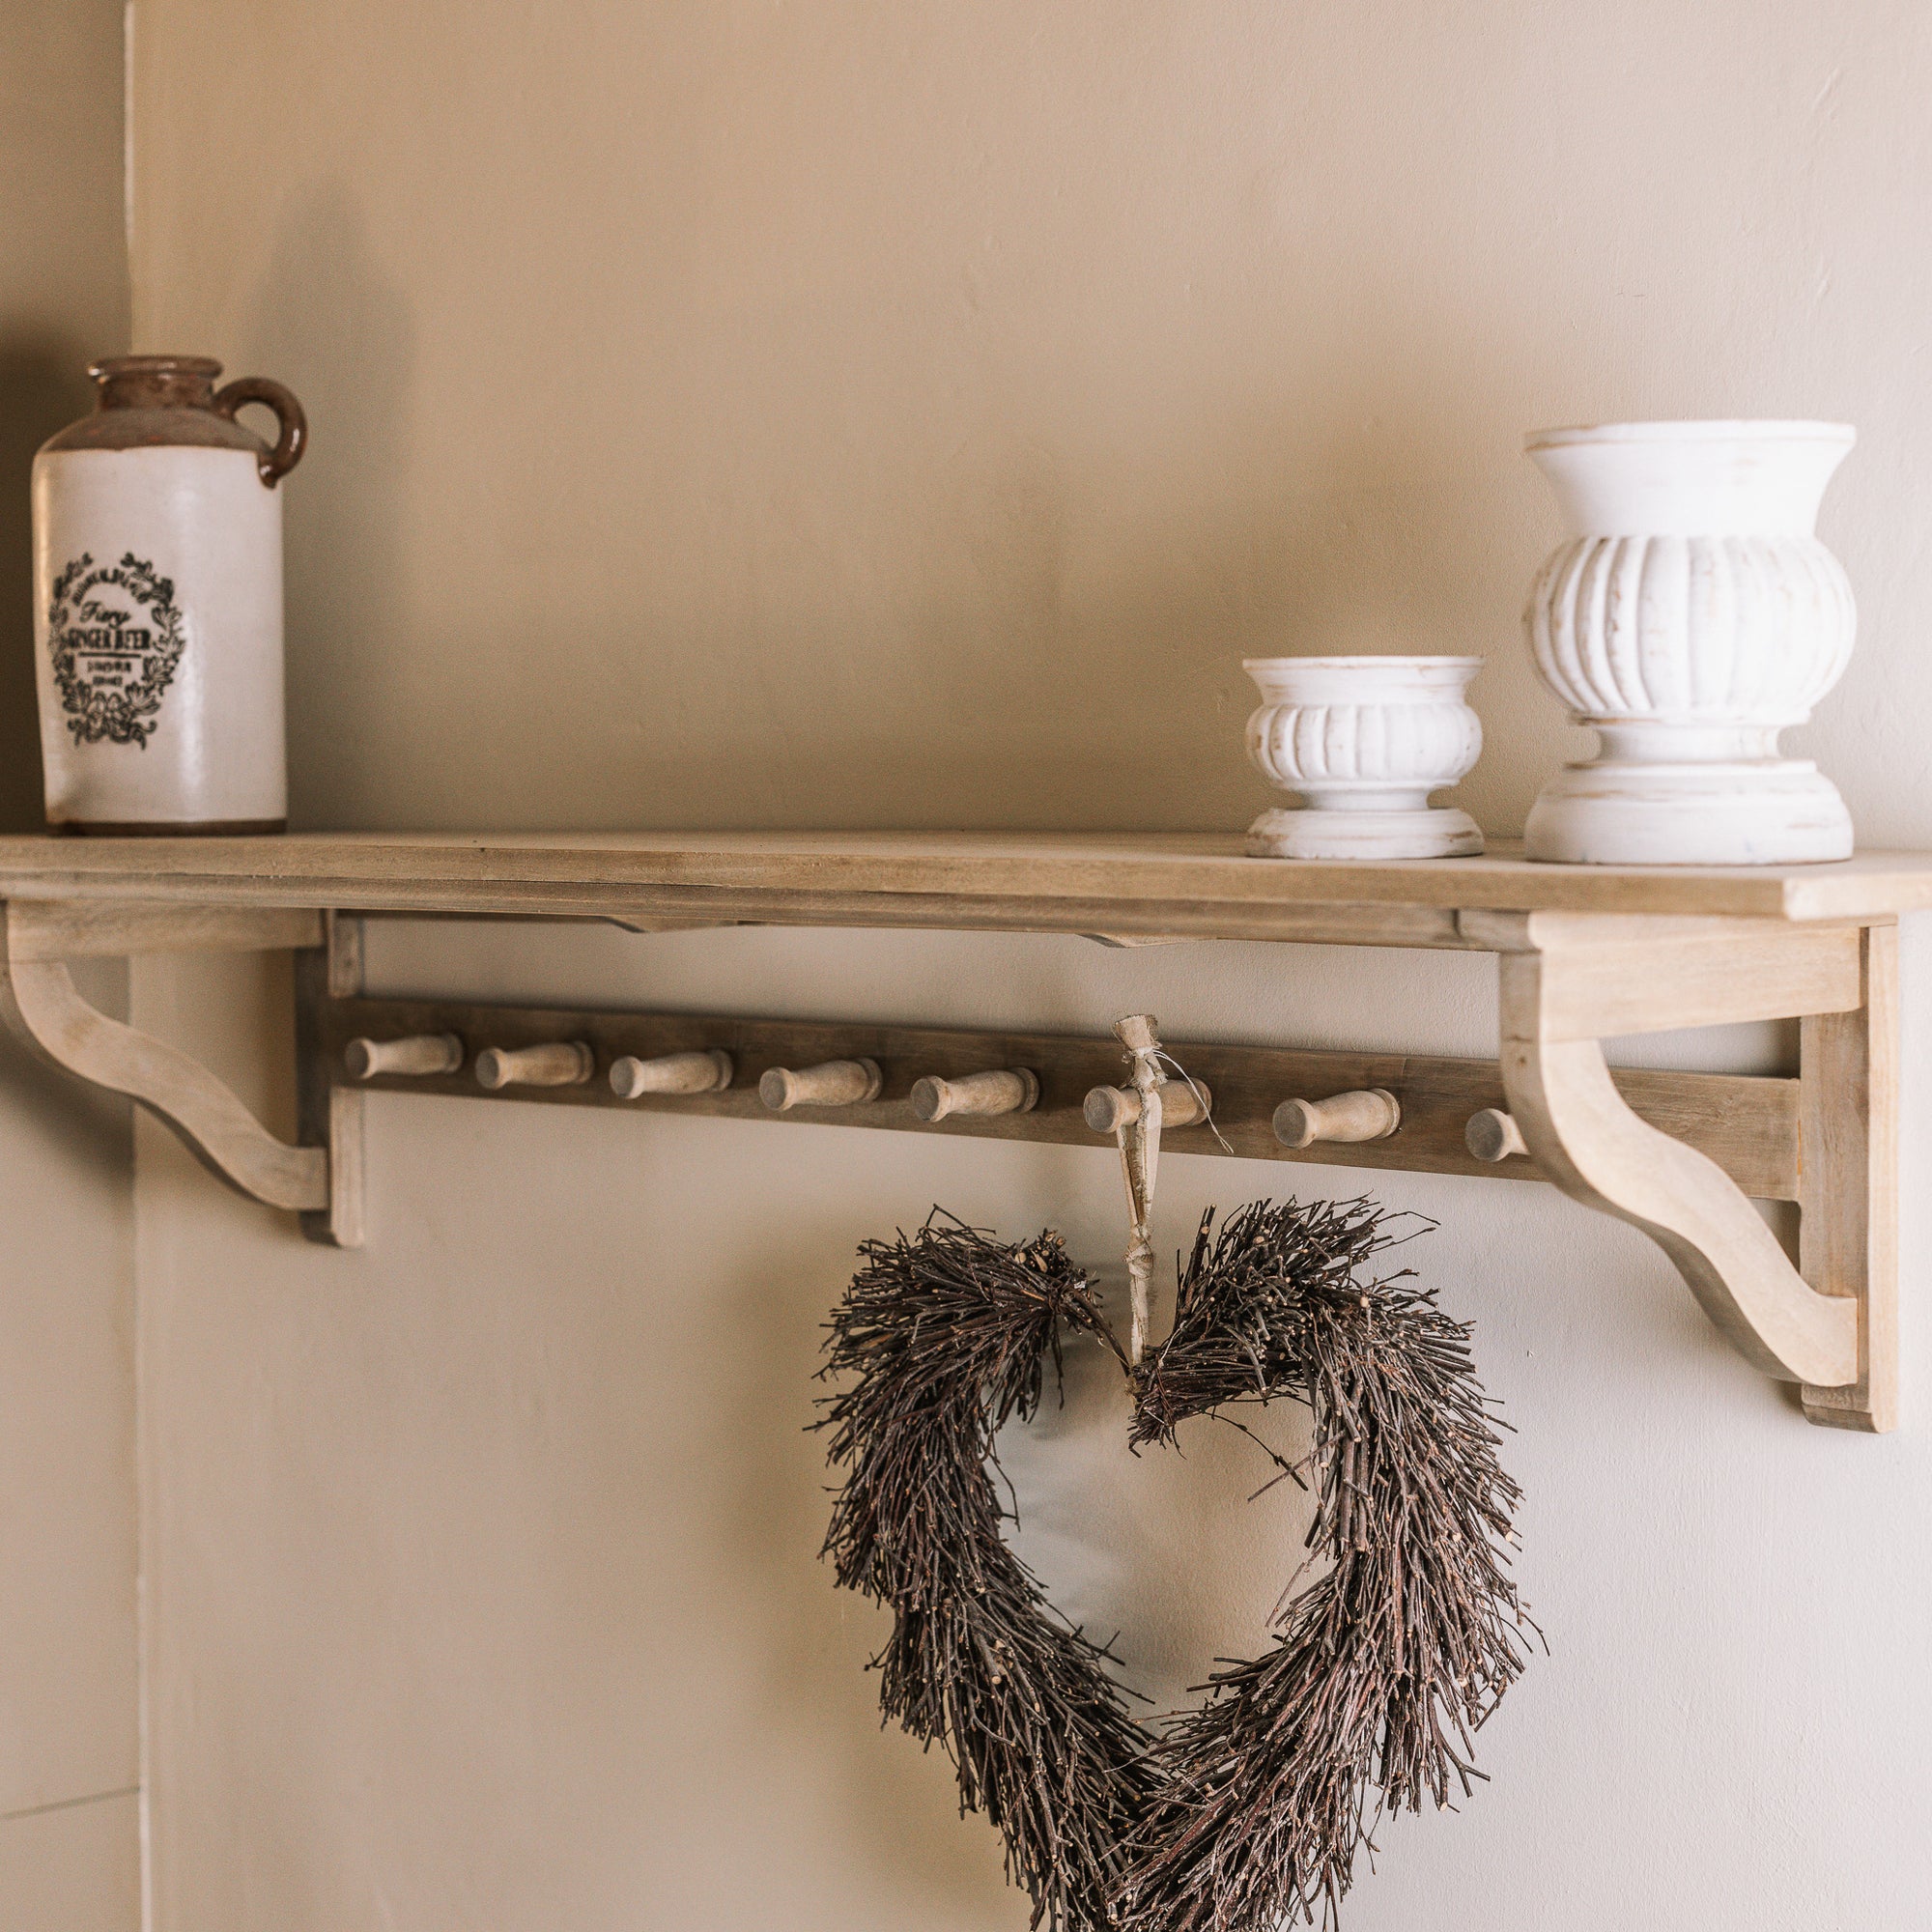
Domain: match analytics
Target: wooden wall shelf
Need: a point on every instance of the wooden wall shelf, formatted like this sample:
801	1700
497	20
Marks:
1587	953
1194	884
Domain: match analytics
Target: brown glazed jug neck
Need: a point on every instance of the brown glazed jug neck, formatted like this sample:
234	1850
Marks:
170	402
156	402
156	381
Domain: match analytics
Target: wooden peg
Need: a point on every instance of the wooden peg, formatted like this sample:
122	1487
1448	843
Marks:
1370	1114
1109	1109
418	1053
1493	1135
832	1083
1011	1089
707	1073
569	1063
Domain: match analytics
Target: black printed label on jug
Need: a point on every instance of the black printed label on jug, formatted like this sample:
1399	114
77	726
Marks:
116	637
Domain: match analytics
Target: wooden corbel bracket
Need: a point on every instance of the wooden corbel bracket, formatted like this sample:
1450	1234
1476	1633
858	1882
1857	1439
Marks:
1569	980
40	1003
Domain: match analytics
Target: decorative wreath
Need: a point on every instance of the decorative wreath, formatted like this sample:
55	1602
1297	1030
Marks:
127	714
1249	1810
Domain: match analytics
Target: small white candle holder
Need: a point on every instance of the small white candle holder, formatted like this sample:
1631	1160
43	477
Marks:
1364	741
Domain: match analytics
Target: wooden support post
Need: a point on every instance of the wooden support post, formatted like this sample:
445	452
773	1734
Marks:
328	1115
1848	1198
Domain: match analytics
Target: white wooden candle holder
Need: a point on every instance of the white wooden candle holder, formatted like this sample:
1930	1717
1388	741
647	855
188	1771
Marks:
1364	741
1691	616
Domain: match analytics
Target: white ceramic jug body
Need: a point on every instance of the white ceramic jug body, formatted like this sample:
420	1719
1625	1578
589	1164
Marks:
158	602
1691	617
157	577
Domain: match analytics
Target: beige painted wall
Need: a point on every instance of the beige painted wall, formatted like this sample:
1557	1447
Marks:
68	1756
63	301
737	414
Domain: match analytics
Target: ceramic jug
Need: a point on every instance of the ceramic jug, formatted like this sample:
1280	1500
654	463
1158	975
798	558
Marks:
158	586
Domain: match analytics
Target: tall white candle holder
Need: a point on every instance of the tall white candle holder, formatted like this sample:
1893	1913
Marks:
1364	740
1691	616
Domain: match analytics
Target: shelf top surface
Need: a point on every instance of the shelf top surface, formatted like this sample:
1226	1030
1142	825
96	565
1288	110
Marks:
940	879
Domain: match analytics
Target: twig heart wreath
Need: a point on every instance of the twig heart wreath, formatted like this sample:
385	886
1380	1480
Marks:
1247	1811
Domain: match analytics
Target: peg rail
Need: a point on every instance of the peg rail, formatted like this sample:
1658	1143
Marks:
1746	1123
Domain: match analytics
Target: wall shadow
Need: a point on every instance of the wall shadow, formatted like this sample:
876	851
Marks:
44	388
899	1804
331	325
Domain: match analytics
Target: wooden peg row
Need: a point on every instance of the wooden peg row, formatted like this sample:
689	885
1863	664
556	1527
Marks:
1109	1109
832	1083
416	1053
1370	1114
1493	1135
1010	1090
566	1064
708	1072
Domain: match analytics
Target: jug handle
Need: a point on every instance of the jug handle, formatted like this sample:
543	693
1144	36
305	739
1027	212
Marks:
273	463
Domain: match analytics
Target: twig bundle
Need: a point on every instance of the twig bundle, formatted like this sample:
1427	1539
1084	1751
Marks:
946	1336
1251	1808
1382	1667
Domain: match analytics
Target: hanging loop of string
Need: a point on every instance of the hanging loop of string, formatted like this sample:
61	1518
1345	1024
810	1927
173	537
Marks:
1186	1079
